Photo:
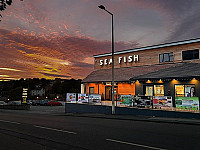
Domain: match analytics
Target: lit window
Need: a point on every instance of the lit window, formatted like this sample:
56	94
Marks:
158	90
185	90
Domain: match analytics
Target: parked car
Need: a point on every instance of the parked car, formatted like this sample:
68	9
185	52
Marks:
44	102
54	103
14	103
36	102
3	103
29	102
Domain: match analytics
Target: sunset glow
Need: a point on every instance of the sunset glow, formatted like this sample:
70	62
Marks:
57	39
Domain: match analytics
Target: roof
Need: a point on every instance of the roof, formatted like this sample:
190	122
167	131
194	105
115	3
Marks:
151	47
122	74
184	70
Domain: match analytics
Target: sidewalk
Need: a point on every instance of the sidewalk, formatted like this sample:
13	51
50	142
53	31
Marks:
138	118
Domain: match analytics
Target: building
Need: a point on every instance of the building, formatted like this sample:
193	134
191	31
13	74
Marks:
171	69
38	92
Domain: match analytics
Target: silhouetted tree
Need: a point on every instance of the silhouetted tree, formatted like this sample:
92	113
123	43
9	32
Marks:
3	5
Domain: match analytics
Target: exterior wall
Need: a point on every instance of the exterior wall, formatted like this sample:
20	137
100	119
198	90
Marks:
123	88
126	88
148	57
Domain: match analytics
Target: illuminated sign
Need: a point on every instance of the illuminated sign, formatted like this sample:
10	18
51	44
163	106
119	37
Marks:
124	59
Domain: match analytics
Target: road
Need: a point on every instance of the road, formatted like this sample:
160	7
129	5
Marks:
39	131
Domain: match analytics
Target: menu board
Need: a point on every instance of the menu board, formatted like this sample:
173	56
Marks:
71	97
125	100
162	101
187	103
94	98
82	98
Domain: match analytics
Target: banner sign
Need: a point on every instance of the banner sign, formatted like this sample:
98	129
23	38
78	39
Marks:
82	98
71	97
94	98
162	101
125	100
187	103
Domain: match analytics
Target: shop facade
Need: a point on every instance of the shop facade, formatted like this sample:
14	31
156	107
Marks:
171	69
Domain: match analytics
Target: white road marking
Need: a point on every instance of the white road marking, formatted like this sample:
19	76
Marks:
10	121
55	129
139	145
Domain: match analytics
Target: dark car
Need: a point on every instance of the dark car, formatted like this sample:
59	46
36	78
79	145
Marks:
36	102
54	103
44	102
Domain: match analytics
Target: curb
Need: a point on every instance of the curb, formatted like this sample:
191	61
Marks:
140	119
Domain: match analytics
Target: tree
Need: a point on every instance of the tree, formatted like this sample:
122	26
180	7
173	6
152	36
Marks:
3	5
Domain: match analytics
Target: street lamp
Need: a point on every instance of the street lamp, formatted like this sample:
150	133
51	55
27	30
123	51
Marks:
112	33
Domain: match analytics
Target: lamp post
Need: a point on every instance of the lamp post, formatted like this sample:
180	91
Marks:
112	33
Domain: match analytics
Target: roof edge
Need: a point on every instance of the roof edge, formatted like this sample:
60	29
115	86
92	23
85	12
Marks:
151	47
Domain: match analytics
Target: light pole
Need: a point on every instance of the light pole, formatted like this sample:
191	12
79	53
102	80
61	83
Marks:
112	33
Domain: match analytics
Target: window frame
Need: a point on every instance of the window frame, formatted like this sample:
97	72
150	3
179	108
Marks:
163	56
193	57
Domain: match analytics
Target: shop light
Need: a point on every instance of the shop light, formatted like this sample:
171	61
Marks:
160	81
148	81
137	81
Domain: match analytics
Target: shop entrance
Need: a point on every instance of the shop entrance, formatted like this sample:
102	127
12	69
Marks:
108	92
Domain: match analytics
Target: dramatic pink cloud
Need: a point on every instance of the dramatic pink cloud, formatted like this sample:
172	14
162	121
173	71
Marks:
50	39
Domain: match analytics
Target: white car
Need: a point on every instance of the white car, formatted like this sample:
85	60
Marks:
3	103
14	103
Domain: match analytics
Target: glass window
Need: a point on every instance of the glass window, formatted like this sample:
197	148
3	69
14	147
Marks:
179	90
190	54
158	90
166	57
185	90
149	91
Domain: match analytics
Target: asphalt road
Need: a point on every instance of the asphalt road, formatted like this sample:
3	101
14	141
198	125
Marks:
37	131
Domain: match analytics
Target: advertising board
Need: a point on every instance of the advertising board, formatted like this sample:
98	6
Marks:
187	103
82	98
94	98
142	101
71	97
125	100
162	101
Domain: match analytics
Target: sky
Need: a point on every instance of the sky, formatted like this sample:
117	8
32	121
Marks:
58	38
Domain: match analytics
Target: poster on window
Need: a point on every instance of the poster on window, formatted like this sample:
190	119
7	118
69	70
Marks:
162	101
187	103
125	100
82	98
71	97
94	98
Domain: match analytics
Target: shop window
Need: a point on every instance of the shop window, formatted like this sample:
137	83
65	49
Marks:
184	90
149	91
91	90
166	57
158	90
190	54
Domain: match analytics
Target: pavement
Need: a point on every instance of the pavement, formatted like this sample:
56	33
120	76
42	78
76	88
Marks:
59	110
